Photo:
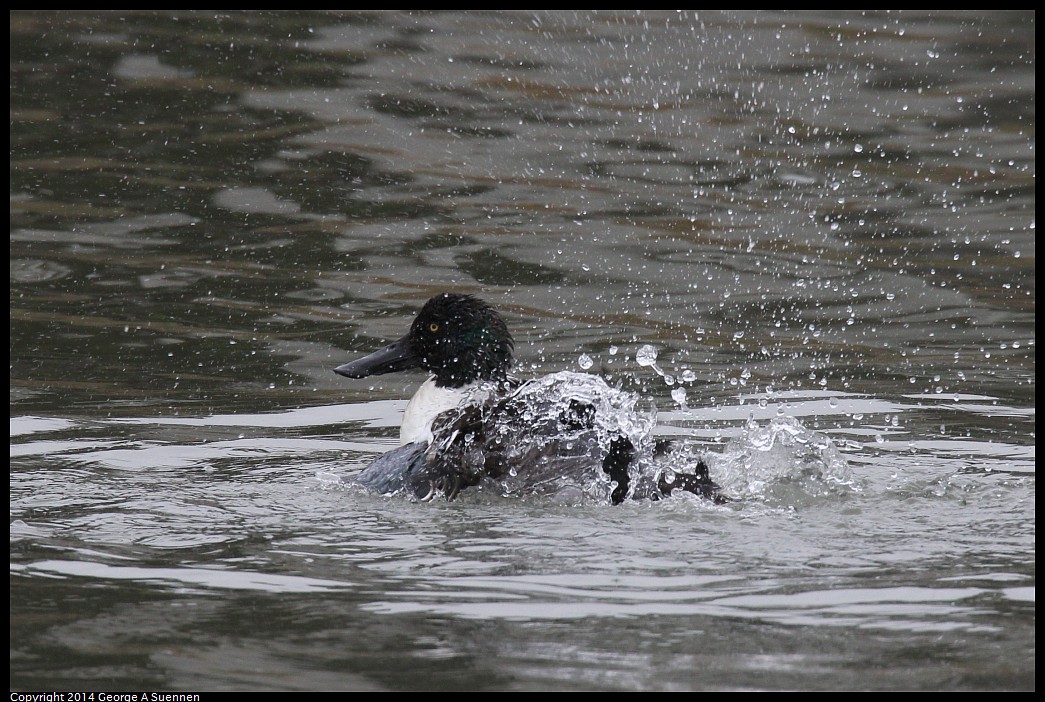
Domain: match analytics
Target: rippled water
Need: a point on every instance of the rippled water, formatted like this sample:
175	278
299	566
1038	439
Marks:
767	225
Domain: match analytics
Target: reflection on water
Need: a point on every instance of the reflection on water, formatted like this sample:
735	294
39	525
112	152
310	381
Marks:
828	218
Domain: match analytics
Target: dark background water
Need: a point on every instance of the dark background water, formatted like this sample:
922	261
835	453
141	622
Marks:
829	216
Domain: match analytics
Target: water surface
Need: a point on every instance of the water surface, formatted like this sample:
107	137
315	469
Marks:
822	217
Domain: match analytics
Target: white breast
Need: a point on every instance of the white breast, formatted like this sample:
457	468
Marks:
423	407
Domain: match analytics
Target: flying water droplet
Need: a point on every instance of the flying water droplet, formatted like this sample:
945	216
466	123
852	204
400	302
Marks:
646	356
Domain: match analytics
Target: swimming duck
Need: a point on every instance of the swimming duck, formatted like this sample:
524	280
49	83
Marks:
471	423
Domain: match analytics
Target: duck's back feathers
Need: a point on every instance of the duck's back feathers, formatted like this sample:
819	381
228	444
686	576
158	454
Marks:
390	472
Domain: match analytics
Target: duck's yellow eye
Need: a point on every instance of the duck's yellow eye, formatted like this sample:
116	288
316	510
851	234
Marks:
433	327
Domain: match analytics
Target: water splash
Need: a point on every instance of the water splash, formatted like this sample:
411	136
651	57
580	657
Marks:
561	428
571	436
783	463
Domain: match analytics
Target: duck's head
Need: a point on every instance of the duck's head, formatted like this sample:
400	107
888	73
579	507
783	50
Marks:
457	338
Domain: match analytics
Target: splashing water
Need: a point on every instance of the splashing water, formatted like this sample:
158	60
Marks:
555	432
783	463
552	435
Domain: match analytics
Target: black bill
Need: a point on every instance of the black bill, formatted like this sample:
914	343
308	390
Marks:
394	357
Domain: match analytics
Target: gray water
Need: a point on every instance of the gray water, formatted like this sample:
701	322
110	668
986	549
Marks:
825	219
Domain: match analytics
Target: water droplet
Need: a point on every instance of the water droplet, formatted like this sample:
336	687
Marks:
585	362
679	395
646	356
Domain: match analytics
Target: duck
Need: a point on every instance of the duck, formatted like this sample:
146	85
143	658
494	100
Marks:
472	424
